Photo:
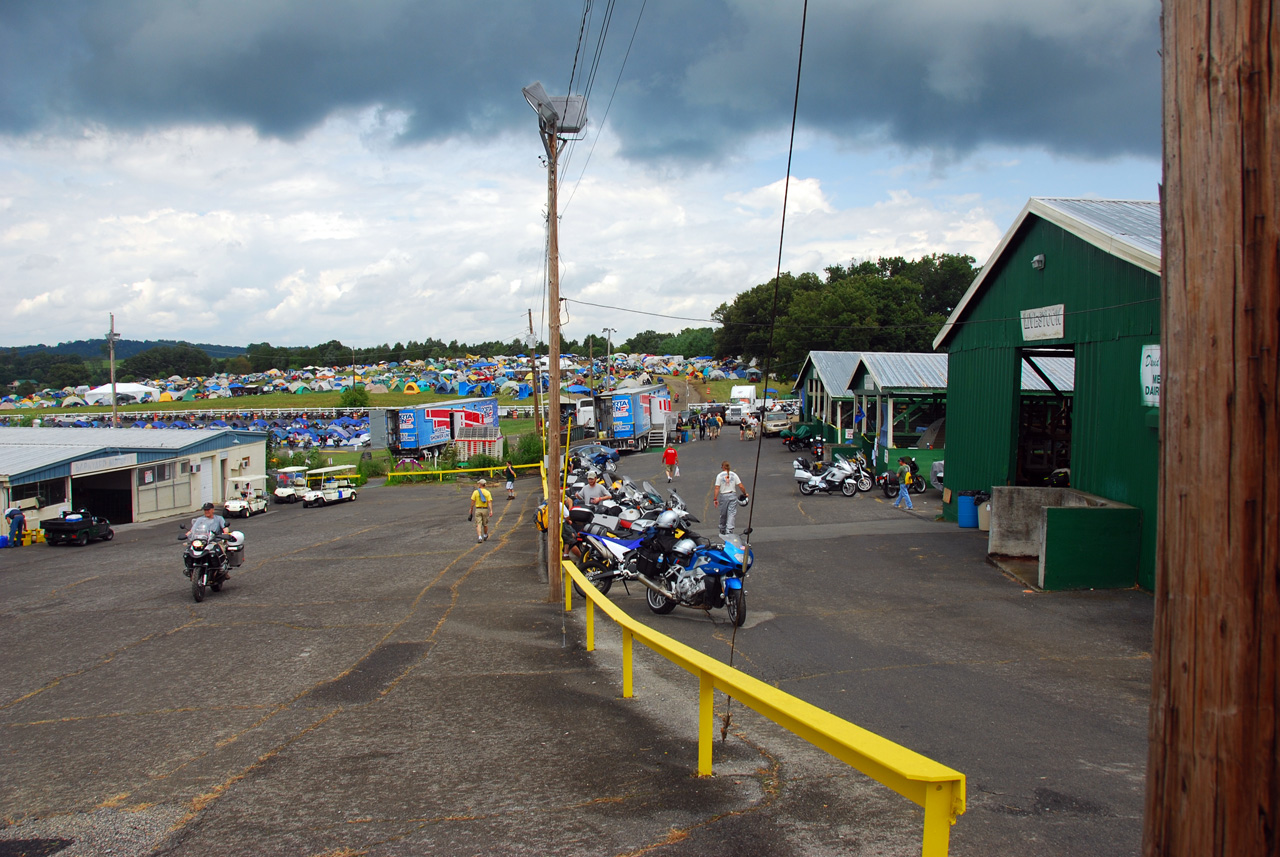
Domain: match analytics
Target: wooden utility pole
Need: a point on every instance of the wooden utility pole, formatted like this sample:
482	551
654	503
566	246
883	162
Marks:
554	549
1213	782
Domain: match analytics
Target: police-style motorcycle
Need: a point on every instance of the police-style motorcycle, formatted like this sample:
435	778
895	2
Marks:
209	558
696	575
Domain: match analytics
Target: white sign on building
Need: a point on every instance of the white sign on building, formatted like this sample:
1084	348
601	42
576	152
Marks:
1150	375
1045	322
97	465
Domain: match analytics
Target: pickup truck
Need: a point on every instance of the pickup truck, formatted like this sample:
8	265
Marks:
77	528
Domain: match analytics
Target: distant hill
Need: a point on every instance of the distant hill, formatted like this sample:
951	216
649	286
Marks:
91	349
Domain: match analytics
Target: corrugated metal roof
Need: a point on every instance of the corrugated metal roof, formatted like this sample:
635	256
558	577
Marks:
1133	222
834	369
1061	371
24	450
905	371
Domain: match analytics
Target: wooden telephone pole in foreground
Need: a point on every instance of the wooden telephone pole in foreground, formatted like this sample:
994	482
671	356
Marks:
1213	781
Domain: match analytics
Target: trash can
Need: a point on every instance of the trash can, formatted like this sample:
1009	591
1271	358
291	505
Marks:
984	516
967	511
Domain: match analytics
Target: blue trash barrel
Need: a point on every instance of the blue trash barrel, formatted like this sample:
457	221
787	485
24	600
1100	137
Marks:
4	541
967	512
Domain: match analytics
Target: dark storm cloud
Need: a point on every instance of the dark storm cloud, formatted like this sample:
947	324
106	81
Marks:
1079	76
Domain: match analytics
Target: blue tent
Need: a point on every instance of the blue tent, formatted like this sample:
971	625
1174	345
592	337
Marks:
577	388
524	391
485	389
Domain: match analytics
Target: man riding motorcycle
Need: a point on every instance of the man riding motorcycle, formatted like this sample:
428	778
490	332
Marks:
208	525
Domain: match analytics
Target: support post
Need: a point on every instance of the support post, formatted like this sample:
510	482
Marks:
628	687
706	723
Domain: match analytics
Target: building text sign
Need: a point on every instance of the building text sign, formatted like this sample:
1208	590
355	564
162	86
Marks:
1151	376
1045	322
97	465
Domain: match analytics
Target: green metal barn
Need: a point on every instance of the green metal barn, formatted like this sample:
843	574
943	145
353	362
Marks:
1073	278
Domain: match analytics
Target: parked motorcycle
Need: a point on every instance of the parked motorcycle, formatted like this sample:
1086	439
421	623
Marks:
209	558
698	576
839	478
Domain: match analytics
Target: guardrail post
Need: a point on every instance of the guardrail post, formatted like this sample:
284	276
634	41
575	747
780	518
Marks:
566	584
706	722
627	687
591	624
937	819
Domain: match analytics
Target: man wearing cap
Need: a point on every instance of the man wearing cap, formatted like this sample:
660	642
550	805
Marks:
904	485
208	524
481	503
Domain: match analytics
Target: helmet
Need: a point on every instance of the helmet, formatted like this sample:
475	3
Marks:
743	501
667	520
683	550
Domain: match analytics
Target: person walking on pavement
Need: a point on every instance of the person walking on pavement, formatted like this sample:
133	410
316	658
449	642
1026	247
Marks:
727	489
481	504
17	525
670	460
702	426
509	474
904	484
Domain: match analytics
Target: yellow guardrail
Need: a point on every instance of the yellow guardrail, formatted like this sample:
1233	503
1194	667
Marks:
397	475
935	787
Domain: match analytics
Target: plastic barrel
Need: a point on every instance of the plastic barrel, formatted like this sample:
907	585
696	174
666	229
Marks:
4	541
967	512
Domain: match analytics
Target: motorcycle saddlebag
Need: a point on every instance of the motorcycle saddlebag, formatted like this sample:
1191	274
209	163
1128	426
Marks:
235	550
581	516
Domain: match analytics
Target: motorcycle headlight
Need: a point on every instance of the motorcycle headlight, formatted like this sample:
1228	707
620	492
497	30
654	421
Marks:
197	544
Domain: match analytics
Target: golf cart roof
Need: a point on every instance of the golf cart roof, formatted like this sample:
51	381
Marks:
296	469
257	477
320	471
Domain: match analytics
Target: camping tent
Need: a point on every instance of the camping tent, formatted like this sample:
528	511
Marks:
102	395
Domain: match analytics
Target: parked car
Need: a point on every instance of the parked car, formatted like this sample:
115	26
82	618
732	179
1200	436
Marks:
775	422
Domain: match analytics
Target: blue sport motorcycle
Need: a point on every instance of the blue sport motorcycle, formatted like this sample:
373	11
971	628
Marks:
713	576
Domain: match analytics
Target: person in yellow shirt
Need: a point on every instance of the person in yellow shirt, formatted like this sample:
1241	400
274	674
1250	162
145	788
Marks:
481	504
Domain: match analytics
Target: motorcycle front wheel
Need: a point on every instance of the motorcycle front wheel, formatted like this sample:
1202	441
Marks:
601	578
848	487
197	585
658	602
735	604
806	489
864	483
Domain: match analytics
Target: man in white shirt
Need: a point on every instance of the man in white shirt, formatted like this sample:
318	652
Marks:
728	487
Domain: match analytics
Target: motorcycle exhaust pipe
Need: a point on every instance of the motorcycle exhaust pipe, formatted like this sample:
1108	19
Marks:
656	588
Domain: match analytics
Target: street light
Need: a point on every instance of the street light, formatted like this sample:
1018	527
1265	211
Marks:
557	117
608	360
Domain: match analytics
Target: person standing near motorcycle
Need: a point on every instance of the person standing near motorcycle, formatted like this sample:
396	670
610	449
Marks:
670	460
904	484
481	503
728	488
594	492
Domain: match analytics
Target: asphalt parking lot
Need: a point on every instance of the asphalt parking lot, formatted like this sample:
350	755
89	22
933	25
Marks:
372	681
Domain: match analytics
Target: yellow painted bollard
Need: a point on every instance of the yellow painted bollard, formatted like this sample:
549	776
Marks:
706	723
628	687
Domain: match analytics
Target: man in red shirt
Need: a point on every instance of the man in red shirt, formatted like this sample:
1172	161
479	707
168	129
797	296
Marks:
670	458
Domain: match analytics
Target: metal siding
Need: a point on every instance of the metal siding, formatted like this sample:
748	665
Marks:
981	400
1114	454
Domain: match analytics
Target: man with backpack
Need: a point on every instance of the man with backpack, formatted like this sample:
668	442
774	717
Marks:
905	477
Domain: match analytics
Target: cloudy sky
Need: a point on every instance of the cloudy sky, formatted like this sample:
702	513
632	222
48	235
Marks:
293	171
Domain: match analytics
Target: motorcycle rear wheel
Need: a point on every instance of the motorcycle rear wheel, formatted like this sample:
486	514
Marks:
596	572
806	489
197	585
889	490
917	487
735	604
658	603
848	488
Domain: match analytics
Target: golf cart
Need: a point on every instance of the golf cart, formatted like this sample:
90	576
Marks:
291	483
246	496
327	485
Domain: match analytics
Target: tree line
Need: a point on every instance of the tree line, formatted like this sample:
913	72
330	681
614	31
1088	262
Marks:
887	304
